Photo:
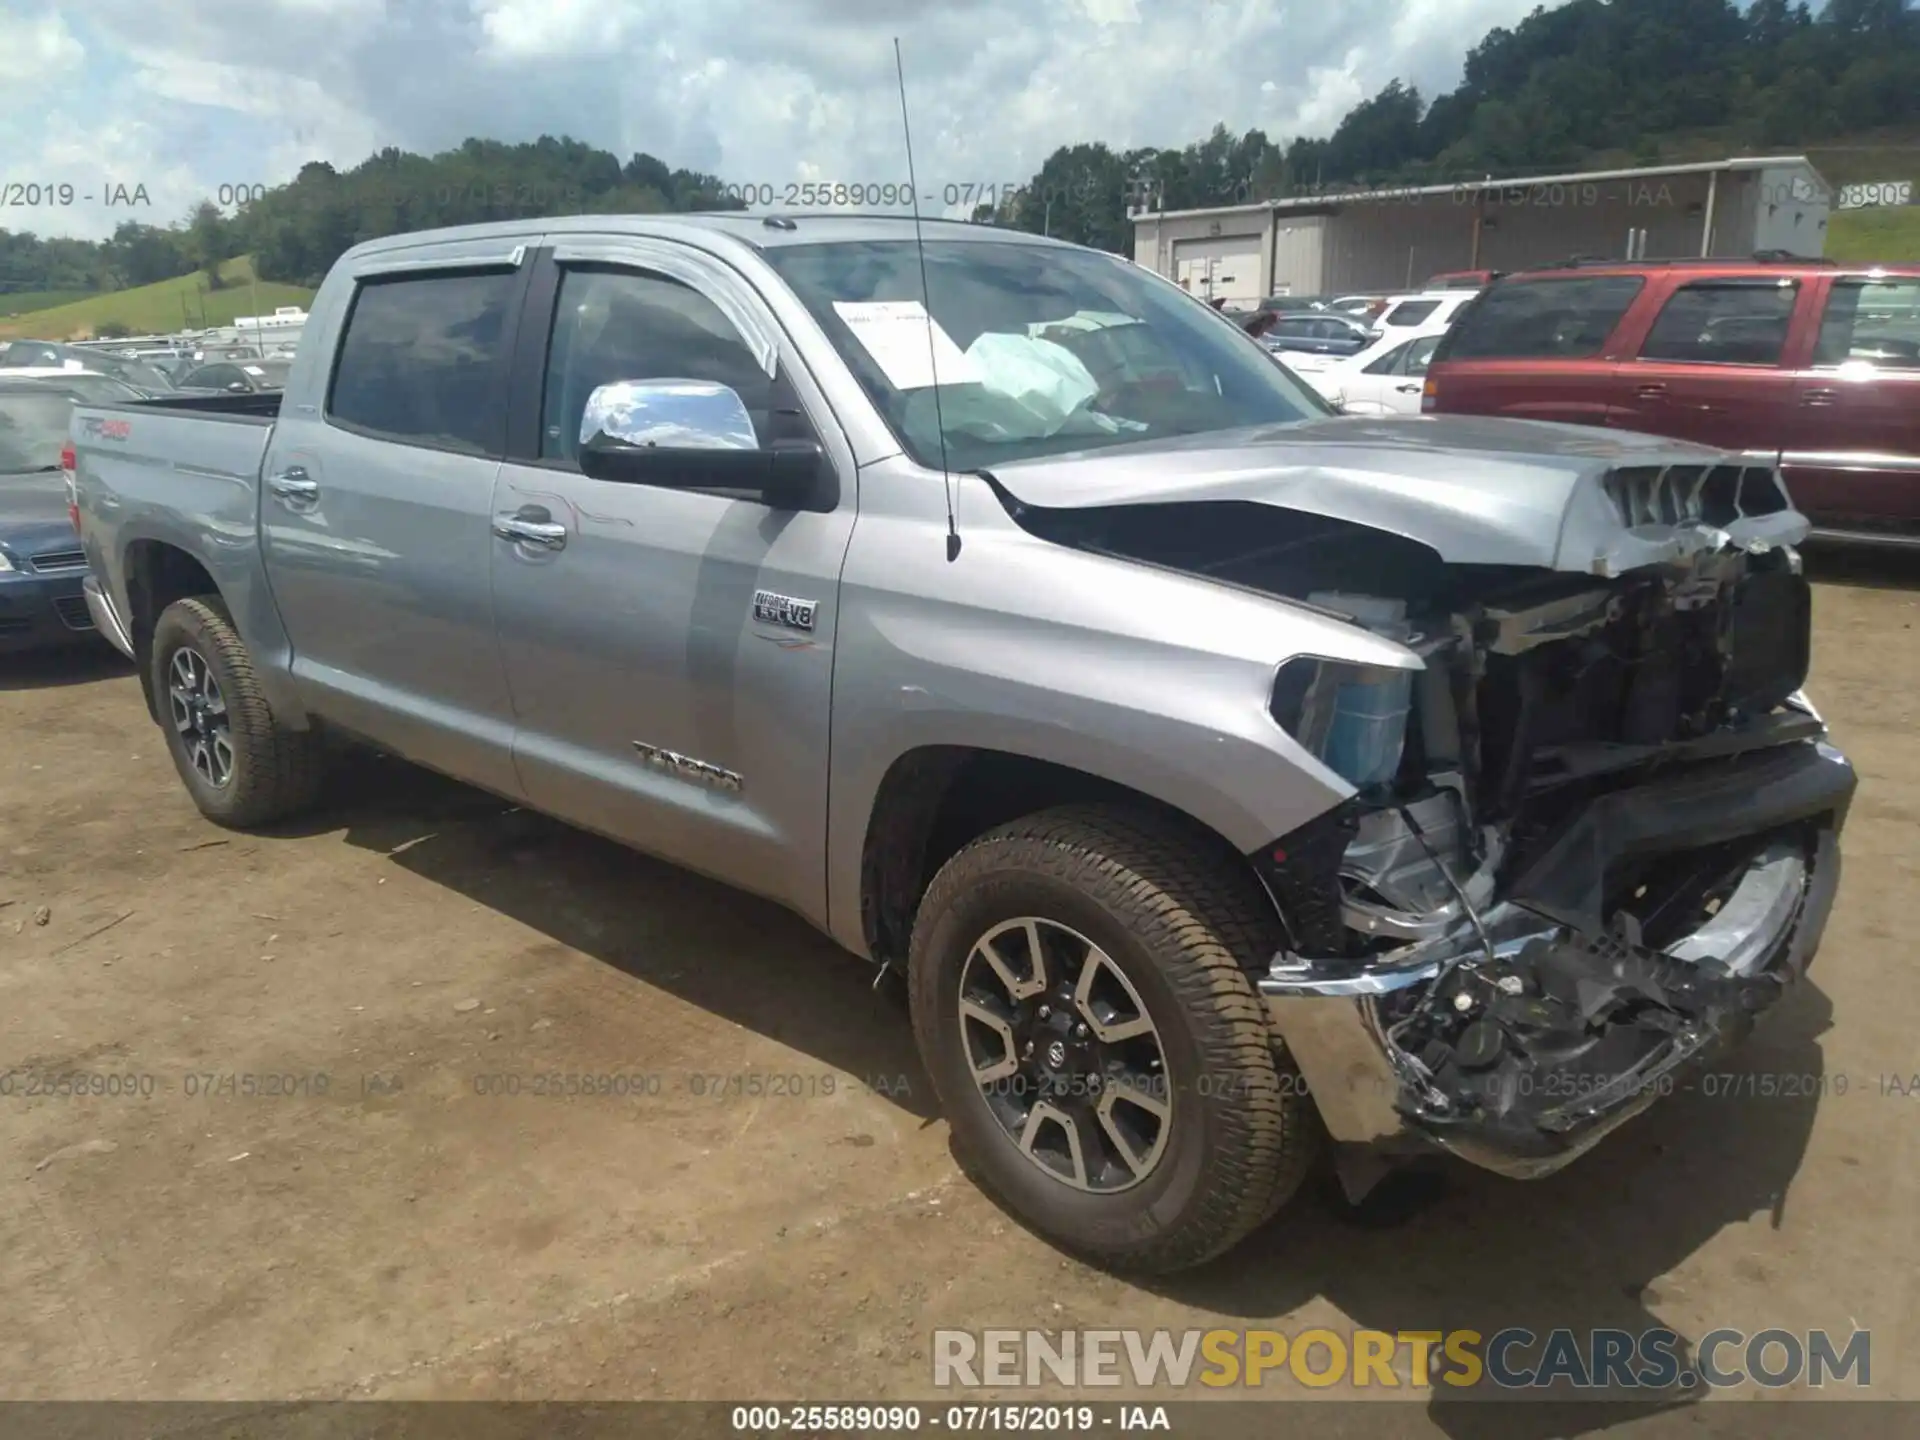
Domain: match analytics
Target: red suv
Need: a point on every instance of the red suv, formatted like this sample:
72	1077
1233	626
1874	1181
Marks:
1814	364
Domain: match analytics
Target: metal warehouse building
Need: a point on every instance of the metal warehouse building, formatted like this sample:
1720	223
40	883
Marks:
1394	238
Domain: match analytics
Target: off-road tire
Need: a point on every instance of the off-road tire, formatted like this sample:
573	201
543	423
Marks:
1189	927
277	771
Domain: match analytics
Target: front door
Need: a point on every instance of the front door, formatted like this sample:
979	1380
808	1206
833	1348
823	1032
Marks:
670	653
375	515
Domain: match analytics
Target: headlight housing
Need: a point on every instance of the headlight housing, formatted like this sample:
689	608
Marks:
6	562
1351	718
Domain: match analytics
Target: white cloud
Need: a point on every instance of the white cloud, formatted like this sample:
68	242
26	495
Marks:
35	53
246	90
539	29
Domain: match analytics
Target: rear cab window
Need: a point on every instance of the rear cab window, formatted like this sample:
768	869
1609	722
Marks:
421	358
1542	319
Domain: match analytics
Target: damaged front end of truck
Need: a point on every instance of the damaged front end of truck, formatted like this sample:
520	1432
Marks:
1595	842
1588	843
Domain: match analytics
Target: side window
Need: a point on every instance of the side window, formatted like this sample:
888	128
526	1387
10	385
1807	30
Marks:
1419	353
1387	364
1721	323
1875	322
1411	312
614	325
1544	319
420	359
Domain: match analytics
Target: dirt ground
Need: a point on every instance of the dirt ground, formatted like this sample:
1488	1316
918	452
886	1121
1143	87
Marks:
395	1227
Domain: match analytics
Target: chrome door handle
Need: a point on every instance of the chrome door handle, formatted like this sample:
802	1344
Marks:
293	483
547	534
1819	397
1650	392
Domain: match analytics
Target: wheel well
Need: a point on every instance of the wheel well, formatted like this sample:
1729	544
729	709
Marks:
157	575
934	800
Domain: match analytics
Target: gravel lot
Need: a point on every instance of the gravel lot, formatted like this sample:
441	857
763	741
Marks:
396	1224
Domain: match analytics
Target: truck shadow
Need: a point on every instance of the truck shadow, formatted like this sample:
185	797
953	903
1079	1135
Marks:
69	665
743	959
1861	568
1581	1250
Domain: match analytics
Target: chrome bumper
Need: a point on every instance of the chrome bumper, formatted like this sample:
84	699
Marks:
105	620
1766	933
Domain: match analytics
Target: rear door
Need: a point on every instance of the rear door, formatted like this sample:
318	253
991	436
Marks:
670	652
376	511
1852	445
1709	367
1536	348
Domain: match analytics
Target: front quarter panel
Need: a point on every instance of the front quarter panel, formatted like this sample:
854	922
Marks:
1147	678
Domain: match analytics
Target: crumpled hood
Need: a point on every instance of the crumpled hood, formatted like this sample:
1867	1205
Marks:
1477	490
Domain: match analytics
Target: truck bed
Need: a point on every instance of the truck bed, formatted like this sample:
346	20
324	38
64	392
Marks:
244	407
180	475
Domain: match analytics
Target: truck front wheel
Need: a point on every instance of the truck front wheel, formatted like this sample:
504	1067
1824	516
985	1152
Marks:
1081	997
242	767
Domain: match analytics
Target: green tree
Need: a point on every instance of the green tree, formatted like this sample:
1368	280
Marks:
208	241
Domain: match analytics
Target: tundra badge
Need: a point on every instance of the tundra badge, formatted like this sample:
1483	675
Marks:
686	767
772	609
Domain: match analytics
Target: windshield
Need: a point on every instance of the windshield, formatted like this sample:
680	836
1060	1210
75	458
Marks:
33	429
1037	349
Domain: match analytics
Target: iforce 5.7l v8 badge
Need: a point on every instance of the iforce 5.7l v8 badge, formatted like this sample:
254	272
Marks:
794	614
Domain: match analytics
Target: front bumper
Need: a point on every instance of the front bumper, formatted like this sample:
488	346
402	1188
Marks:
39	612
1703	992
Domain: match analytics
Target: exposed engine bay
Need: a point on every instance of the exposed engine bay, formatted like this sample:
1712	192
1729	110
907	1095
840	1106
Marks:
1583	838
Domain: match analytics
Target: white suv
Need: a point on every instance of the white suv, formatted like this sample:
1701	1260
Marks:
1423	310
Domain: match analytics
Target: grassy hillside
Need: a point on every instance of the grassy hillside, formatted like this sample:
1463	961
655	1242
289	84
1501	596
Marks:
167	305
25	302
1891	236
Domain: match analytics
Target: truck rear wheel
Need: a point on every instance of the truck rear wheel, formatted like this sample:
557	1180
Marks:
1081	996
242	767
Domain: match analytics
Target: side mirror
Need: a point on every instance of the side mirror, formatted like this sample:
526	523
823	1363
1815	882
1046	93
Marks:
697	435
239	387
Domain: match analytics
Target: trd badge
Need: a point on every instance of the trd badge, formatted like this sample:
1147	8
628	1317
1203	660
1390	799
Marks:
794	614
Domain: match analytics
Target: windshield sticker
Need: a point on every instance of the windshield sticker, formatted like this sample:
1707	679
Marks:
896	334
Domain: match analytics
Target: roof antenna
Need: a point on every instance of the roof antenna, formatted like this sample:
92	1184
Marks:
926	305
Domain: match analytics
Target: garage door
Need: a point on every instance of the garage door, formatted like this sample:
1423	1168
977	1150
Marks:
1226	267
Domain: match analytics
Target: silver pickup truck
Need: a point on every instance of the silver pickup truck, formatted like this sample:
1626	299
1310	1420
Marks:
1238	785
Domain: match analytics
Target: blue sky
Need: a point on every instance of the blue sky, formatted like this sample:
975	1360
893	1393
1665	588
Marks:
185	96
